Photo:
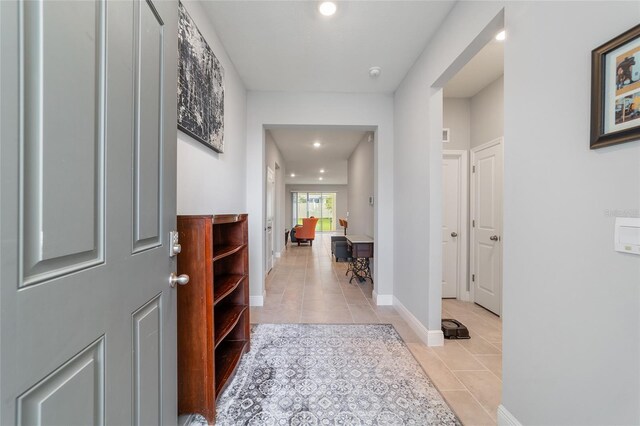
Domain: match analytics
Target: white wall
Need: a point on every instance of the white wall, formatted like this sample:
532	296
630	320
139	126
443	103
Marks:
207	182
341	200
457	118
487	113
340	109
418	126
563	360
275	161
360	172
558	187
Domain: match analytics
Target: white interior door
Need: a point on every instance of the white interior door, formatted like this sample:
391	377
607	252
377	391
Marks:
487	190
87	318
451	224
271	192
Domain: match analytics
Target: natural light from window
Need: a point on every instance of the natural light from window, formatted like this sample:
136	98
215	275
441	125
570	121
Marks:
317	204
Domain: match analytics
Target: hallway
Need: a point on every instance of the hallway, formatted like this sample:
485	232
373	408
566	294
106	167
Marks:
307	286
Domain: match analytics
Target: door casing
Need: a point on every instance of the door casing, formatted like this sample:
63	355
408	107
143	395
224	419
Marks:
270	218
463	220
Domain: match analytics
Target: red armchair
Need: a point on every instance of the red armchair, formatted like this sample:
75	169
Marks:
306	232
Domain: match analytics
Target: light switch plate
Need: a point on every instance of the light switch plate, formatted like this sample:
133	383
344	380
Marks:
627	235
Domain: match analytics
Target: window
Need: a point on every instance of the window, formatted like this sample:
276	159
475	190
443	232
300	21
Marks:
317	204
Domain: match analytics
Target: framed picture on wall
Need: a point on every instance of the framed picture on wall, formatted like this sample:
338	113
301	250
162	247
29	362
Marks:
615	90
200	86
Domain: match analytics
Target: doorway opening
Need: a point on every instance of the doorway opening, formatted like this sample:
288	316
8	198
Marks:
329	179
472	179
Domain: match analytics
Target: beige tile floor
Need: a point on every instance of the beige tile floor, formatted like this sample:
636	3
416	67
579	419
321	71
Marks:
307	286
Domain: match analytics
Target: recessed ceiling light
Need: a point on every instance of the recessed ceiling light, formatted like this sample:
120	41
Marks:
501	35
321	170
320	178
327	8
293	175
316	144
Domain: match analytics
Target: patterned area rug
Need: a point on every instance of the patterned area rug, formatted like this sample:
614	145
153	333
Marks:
315	374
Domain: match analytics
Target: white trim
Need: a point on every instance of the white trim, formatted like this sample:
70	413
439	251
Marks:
486	145
278	255
463	221
472	207
382	299
268	250
505	418
428	337
257	300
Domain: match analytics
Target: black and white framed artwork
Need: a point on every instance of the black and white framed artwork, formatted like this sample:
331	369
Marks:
200	86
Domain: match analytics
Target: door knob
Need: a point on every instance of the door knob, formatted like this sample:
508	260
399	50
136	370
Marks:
494	238
454	234
175	279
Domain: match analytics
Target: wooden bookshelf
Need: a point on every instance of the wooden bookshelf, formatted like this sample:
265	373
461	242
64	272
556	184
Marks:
213	308
227	359
225	284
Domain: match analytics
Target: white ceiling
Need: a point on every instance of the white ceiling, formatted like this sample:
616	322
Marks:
482	69
289	46
303	159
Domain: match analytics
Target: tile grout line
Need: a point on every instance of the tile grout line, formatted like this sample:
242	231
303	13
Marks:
481	363
461	382
474	396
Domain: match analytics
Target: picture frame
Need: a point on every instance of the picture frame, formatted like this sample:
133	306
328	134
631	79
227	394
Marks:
200	86
615	90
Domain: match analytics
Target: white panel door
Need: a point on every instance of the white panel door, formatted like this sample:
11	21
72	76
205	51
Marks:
87	197
271	193
487	189
451	195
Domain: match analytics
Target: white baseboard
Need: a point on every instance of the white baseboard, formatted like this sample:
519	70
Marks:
278	254
465	296
505	418
257	300
428	337
382	299
435	338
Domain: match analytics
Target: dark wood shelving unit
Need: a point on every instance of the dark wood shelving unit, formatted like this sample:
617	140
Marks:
226	320
224	285
227	361
213	308
226	250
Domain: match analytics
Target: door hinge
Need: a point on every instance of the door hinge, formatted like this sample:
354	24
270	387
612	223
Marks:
473	223
473	169
473	277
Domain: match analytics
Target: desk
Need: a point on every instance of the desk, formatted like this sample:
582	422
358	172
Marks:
361	248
